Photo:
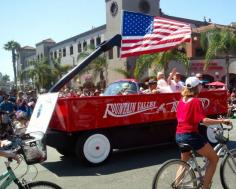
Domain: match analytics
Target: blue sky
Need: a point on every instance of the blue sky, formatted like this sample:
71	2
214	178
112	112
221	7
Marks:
31	21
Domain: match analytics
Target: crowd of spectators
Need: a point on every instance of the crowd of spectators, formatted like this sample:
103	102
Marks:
18	102
161	85
79	92
25	100
87	89
173	83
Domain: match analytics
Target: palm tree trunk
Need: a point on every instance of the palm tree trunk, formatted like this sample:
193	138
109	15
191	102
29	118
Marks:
14	66
188	69
106	73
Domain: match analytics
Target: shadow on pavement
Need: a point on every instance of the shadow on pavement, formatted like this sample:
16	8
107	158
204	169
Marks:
120	161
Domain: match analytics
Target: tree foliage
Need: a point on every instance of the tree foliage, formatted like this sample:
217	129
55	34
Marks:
218	42
14	47
44	74
159	61
97	66
4	78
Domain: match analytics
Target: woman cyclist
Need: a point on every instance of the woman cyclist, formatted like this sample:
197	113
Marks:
189	115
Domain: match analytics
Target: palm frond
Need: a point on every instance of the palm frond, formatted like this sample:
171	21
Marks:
217	41
143	63
122	72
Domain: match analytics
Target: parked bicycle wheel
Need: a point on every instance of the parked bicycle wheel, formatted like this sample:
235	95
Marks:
174	174
228	170
42	184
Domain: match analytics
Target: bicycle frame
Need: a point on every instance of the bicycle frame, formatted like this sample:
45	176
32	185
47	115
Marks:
9	177
221	149
198	169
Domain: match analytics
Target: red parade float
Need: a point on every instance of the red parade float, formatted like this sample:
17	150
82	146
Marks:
91	127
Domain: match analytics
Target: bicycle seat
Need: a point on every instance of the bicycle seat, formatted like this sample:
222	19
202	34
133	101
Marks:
185	147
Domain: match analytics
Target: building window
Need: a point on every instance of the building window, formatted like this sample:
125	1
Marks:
110	54
64	52
98	41
79	48
38	57
84	46
55	54
59	54
118	52
71	50
41	56
92	44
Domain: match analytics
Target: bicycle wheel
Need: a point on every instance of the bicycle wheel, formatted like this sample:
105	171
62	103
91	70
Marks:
228	170
174	174
41	184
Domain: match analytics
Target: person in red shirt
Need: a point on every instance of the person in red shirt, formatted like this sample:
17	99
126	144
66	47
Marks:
189	115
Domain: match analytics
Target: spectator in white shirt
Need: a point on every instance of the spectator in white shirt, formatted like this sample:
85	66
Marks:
162	85
176	85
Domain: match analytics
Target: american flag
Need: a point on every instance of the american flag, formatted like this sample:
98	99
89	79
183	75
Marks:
145	34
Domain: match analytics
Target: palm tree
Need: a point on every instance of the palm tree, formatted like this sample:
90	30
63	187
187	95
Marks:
216	41
22	76
160	61
41	73
97	66
143	63
14	47
58	69
5	78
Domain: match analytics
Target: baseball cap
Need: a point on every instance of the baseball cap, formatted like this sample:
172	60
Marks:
160	75
192	82
177	73
152	81
199	75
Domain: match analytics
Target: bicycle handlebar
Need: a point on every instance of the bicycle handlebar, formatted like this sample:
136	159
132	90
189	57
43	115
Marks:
229	126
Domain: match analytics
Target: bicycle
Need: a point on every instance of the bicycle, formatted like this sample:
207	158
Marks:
33	150
178	174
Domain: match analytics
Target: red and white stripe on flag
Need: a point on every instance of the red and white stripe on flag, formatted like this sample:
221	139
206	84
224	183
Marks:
144	34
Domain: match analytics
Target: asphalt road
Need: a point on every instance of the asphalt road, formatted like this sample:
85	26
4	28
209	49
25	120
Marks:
126	170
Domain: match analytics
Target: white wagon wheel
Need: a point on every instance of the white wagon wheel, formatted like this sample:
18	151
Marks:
93	149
